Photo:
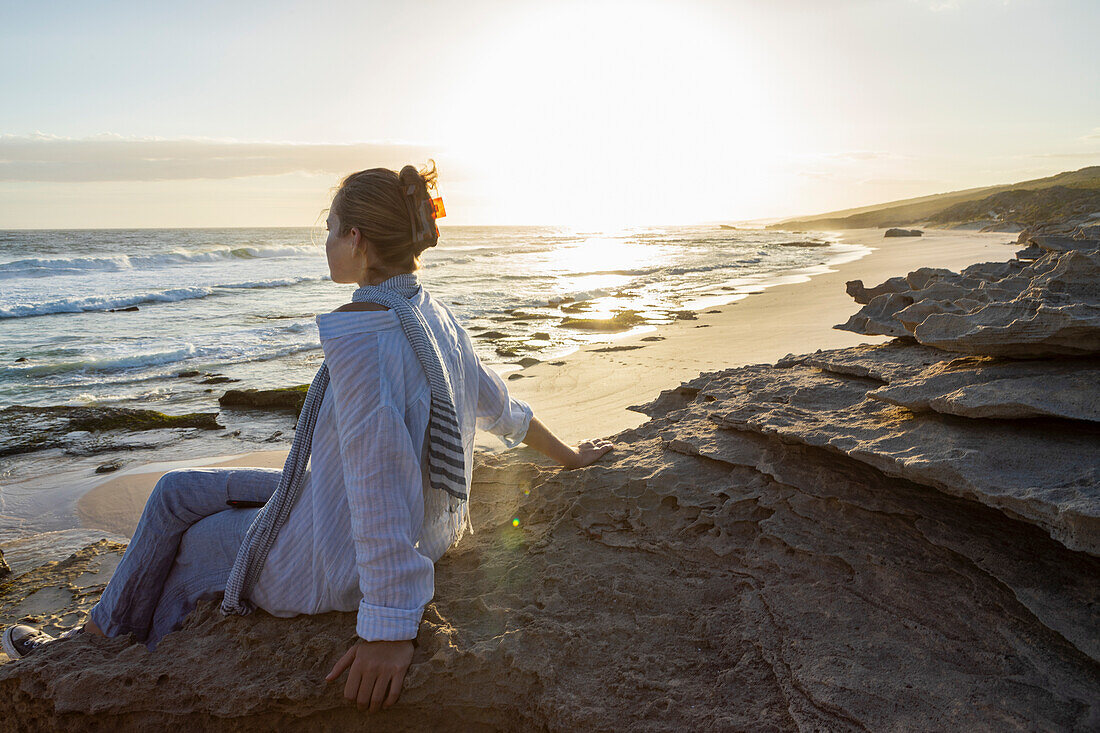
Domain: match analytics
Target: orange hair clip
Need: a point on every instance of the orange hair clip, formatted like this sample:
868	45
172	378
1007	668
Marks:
438	212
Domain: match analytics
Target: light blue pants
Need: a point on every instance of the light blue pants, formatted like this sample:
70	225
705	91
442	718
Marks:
182	551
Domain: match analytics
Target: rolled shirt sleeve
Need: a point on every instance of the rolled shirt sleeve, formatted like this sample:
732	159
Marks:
497	411
383	477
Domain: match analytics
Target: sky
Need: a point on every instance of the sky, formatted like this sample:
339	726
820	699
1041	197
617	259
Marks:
212	114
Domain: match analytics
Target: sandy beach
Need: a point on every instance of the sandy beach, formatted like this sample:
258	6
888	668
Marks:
587	393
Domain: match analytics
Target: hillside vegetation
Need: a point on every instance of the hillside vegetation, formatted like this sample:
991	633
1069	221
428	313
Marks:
1066	195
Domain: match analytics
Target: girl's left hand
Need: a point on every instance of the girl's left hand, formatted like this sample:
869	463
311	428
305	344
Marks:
588	452
376	672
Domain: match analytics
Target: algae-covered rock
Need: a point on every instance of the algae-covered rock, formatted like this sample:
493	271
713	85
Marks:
283	398
29	428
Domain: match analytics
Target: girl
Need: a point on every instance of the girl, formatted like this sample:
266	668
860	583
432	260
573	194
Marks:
388	429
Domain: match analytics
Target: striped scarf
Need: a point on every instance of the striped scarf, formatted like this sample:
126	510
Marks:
446	457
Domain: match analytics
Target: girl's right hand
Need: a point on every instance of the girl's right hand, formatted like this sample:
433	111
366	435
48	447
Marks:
588	452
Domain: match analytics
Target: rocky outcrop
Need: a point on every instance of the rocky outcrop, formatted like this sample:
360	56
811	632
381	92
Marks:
27	428
706	575
58	595
992	462
1049	307
887	362
1055	243
903	233
4	569
1031	252
984	387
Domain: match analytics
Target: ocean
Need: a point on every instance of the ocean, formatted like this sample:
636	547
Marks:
111	318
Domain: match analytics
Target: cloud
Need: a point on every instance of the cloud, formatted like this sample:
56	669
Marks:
109	157
1094	135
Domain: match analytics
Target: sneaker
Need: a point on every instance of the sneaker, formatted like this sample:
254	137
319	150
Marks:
20	640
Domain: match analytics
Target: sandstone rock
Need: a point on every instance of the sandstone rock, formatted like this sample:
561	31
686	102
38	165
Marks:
864	295
933	284
1057	314
903	232
4	569
57	595
1054	243
1048	476
1048	307
1087	231
980	387
815	472
1031	252
887	362
698	577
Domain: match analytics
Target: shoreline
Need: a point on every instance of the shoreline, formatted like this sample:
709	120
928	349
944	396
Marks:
589	394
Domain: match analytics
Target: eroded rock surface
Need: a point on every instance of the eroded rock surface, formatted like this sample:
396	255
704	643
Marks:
58	595
736	563
991	388
1048	307
887	362
1045	473
1056	243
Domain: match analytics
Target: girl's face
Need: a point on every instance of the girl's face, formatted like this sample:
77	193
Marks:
347	259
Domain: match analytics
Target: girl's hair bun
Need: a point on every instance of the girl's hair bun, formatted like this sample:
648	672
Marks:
415	184
392	210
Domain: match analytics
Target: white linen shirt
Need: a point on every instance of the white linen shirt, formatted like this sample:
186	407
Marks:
358	538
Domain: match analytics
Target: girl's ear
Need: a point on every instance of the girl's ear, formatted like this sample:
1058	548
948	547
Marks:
358	241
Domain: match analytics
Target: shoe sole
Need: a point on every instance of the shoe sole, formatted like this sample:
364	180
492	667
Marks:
9	647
